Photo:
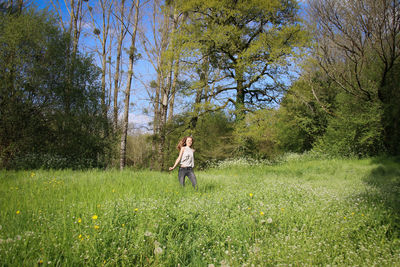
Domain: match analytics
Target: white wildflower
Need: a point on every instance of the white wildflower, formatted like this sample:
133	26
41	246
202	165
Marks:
158	251
224	263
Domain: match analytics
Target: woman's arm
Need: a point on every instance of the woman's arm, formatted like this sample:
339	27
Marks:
178	159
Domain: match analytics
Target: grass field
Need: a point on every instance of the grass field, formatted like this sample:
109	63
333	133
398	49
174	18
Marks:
299	212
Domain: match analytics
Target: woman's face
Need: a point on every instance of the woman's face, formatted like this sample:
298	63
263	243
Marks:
189	142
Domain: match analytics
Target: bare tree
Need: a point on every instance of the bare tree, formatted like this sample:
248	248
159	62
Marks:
73	29
155	47
163	49
76	14
347	32
122	25
127	92
102	32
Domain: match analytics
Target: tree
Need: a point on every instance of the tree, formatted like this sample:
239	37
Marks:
121	21
35	128
163	52
304	112
251	42
127	93
358	47
76	14
102	33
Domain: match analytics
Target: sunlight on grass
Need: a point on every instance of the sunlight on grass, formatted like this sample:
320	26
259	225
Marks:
301	212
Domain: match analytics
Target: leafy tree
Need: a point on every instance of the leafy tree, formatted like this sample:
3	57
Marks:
211	145
356	130
304	112
47	119
251	42
358	48
256	135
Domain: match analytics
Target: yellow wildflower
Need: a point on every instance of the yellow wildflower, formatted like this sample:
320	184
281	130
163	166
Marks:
94	217
251	194
79	220
261	213
18	212
80	236
96	227
136	210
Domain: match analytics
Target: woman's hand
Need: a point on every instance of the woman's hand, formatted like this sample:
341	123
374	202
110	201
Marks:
171	168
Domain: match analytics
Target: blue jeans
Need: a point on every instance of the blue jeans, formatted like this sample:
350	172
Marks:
187	171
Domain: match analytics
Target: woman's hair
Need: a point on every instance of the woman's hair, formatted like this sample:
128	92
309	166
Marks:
182	143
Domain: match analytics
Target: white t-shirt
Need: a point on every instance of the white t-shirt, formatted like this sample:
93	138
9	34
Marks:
187	159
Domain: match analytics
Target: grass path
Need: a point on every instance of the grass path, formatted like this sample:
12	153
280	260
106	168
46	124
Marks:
301	212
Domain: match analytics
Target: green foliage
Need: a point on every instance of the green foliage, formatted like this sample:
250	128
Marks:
391	111
49	102
302	212
138	151
356	130
212	138
256	135
251	42
318	114
301	119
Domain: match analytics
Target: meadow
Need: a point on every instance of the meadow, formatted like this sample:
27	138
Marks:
298	212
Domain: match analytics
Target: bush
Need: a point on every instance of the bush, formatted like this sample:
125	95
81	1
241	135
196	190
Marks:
356	130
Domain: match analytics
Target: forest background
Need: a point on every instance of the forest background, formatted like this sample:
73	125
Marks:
247	79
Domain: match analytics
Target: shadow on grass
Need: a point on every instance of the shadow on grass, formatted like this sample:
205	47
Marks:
386	179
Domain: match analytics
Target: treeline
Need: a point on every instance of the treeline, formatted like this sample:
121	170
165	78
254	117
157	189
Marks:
50	106
245	78
345	102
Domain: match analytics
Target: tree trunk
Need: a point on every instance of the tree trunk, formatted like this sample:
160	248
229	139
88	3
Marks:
77	17
175	63
161	103
240	96
117	66
173	91
128	89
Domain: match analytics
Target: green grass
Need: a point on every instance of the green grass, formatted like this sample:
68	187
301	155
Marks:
301	212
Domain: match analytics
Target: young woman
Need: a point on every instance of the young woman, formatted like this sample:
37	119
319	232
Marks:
186	161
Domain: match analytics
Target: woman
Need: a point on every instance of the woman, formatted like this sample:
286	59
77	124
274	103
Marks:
186	161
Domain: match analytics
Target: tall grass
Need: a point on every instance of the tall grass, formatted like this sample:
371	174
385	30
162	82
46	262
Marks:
300	212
